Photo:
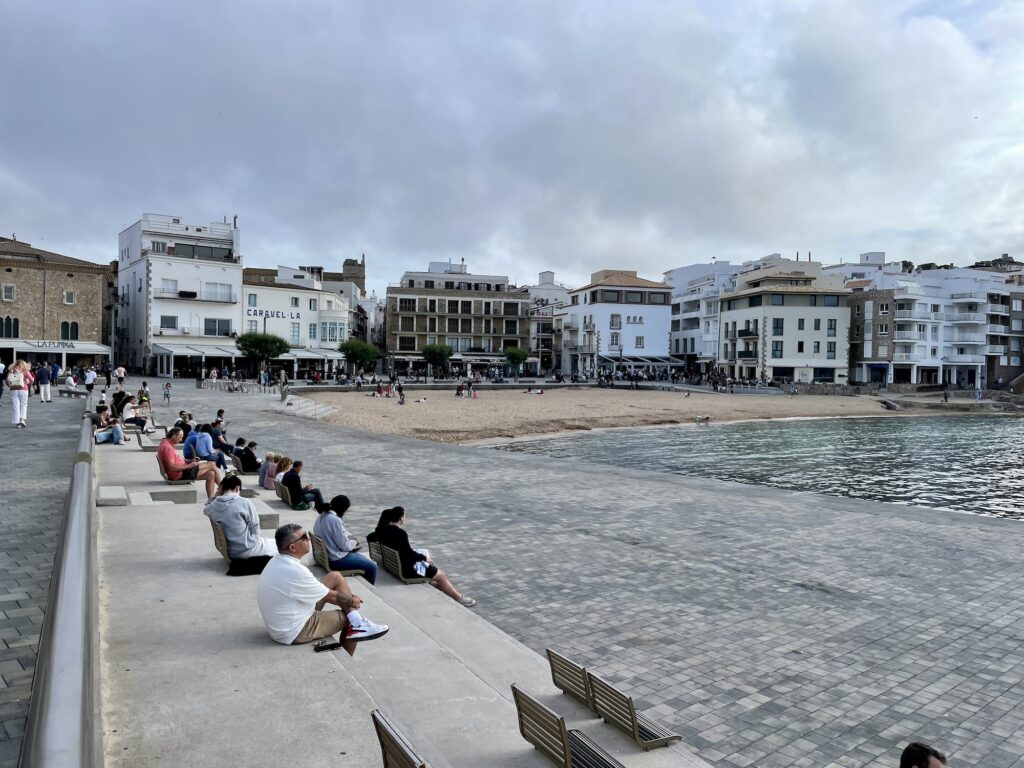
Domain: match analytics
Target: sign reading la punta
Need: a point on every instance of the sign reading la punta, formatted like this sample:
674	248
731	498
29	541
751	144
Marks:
271	313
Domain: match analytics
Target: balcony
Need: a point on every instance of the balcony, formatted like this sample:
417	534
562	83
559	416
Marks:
614	349
975	359
913	314
908	336
569	346
211	296
965	317
747	333
969	338
185	330
998	330
968	298
570	325
907	357
996	309
745	355
996	349
589	327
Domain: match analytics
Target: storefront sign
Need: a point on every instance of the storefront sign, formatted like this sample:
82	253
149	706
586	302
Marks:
51	344
272	313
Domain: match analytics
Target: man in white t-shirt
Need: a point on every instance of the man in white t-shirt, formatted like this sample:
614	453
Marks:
291	599
90	379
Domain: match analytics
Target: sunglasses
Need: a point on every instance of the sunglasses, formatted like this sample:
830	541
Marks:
303	537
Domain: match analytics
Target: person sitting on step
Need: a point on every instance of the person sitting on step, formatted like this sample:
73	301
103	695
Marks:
176	468
204	447
341	548
291	600
248	551
415	562
292	480
268	470
244	451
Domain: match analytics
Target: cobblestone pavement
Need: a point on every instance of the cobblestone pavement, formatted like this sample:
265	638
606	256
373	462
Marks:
35	470
769	628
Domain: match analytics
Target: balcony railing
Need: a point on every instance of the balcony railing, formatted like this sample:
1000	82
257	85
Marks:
970	338
747	355
909	336
997	309
569	346
214	296
746	333
996	349
589	327
965	317
913	314
187	330
969	297
614	348
965	359
999	330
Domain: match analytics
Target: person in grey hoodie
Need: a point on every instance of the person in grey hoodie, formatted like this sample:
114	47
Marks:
241	522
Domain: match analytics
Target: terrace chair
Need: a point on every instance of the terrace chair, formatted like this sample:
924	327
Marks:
321	559
570	678
163	474
615	707
547	732
220	541
393	564
397	752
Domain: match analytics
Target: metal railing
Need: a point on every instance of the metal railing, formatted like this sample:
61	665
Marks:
62	720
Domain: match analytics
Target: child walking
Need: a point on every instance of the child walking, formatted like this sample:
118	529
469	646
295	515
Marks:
167	393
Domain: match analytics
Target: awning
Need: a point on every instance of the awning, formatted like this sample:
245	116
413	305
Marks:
311	354
43	346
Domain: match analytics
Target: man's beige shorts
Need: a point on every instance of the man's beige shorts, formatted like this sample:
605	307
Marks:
322	624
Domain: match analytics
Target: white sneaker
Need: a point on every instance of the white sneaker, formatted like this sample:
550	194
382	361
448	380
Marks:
366	631
467	601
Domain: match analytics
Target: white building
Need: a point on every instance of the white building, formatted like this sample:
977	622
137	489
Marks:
178	295
784	320
546	297
617	320
297	308
695	292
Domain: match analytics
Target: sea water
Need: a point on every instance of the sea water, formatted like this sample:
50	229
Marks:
963	463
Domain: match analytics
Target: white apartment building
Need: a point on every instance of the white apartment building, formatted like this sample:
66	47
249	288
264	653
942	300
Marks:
962	327
297	308
695	292
178	295
786	321
545	298
616	320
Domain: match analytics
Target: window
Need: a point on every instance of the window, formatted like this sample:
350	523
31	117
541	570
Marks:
800	347
69	331
882	350
8	327
252	300
610	296
615	322
464	344
778	299
616	341
453	307
432	324
168	322
252	326
657	298
167	285
466	307
466	325
511	327
312	307
407	305
634	297
217	291
675	350
777	326
409	323
158	246
800	324
574	299
817	347
449	285
453	325
830	350
817	323
312	329
407	343
831	327
1018	305
831	301
295	331
511	309
7	293
69	297
755	301
776	349
856	311
216	327
882	329
935	352
639	342
883	309
428	283
295	301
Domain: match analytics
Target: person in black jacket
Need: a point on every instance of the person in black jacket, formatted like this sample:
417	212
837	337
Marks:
389	533
247	455
292	480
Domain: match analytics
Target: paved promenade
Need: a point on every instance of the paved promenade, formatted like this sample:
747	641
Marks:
35	470
769	628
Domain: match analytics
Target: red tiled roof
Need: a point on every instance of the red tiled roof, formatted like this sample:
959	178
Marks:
624	280
15	249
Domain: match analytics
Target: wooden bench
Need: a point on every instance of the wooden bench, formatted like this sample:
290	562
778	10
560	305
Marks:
283	494
547	732
388	559
397	752
220	540
570	678
615	707
163	474
321	559
238	464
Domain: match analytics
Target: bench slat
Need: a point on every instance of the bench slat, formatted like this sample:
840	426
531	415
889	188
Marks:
570	677
396	751
617	708
547	732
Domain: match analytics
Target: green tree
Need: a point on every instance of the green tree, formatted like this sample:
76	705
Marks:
262	347
360	354
516	356
436	356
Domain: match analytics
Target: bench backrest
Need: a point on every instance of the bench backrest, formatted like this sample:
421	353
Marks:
375	555
236	461
283	493
570	677
613	705
396	750
220	541
163	472
320	552
542	728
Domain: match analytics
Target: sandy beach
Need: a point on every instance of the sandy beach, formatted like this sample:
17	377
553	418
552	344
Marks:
442	417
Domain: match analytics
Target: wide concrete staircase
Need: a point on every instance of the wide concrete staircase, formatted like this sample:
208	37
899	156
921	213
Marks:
190	676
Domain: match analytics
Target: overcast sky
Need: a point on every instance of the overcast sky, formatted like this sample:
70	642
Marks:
521	136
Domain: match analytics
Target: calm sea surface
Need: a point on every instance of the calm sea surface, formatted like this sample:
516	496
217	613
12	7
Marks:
963	463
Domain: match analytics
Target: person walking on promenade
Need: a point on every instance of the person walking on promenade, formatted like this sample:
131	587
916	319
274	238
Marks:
107	371
90	379
167	393
18	383
2	369
43	381
918	755
120	373
291	600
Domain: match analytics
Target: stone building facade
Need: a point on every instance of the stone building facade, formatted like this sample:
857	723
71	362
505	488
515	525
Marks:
51	305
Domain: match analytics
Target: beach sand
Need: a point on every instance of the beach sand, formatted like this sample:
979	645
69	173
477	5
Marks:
442	417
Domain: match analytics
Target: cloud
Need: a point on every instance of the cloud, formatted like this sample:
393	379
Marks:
521	137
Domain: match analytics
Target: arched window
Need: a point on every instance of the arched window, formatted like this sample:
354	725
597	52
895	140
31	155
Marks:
64	331
74	332
8	327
